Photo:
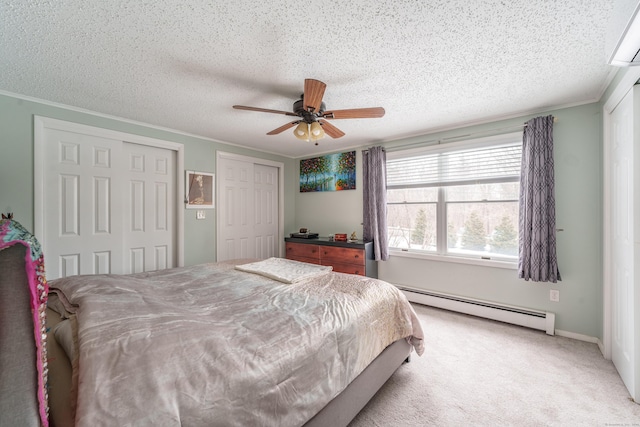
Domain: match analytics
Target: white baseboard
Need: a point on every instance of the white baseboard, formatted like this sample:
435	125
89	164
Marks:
579	337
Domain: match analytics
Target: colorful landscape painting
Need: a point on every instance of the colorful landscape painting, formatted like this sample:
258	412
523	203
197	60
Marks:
333	172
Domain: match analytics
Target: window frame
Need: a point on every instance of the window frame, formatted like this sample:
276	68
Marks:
441	253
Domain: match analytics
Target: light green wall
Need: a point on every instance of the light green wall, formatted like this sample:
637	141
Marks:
16	167
578	145
331	212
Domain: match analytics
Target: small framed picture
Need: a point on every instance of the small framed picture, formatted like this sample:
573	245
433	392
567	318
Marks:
199	190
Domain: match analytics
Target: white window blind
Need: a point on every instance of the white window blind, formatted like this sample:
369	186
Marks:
458	167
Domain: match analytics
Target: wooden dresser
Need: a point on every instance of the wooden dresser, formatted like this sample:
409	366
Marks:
345	257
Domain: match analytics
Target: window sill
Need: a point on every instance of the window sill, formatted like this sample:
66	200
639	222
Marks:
456	259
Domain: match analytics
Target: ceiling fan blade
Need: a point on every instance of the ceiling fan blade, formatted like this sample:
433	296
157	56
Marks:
313	93
355	113
283	127
330	129
264	110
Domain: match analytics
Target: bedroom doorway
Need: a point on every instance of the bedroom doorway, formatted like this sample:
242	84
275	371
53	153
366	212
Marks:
106	202
249	207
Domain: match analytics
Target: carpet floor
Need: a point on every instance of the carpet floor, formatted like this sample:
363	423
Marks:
478	372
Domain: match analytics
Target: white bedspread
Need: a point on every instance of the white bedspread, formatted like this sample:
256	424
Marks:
285	270
209	345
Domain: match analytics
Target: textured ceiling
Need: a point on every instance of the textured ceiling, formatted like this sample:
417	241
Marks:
183	64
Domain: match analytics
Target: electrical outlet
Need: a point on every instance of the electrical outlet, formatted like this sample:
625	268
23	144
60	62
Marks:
554	295
199	214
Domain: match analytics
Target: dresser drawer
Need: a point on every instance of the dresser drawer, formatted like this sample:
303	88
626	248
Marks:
303	259
303	252
332	254
346	268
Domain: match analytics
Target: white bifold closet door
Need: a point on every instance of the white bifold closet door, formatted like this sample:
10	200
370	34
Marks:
248	208
265	212
109	205
625	240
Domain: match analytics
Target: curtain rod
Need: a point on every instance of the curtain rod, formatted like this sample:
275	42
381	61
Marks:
495	131
555	119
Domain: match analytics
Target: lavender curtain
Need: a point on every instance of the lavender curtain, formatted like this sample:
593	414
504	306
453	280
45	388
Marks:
374	190
537	245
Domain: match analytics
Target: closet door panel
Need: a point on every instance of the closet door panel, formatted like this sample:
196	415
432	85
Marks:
149	204
83	221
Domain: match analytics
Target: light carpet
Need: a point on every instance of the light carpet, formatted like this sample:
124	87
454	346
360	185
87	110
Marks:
478	372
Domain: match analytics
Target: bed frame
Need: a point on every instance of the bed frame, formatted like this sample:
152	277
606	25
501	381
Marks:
344	407
18	399
18	378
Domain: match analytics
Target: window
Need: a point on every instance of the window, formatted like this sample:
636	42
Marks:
456	200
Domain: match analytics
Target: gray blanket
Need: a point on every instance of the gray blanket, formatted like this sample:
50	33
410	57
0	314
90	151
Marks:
209	345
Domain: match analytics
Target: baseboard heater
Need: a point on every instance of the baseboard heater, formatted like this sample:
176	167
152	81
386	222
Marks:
536	319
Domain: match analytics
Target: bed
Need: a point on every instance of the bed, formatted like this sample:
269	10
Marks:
215	345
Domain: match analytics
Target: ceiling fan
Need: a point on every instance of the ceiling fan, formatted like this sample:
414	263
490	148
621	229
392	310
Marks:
312	115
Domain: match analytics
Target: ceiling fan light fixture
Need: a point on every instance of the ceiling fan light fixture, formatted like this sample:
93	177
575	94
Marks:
302	131
316	131
311	114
